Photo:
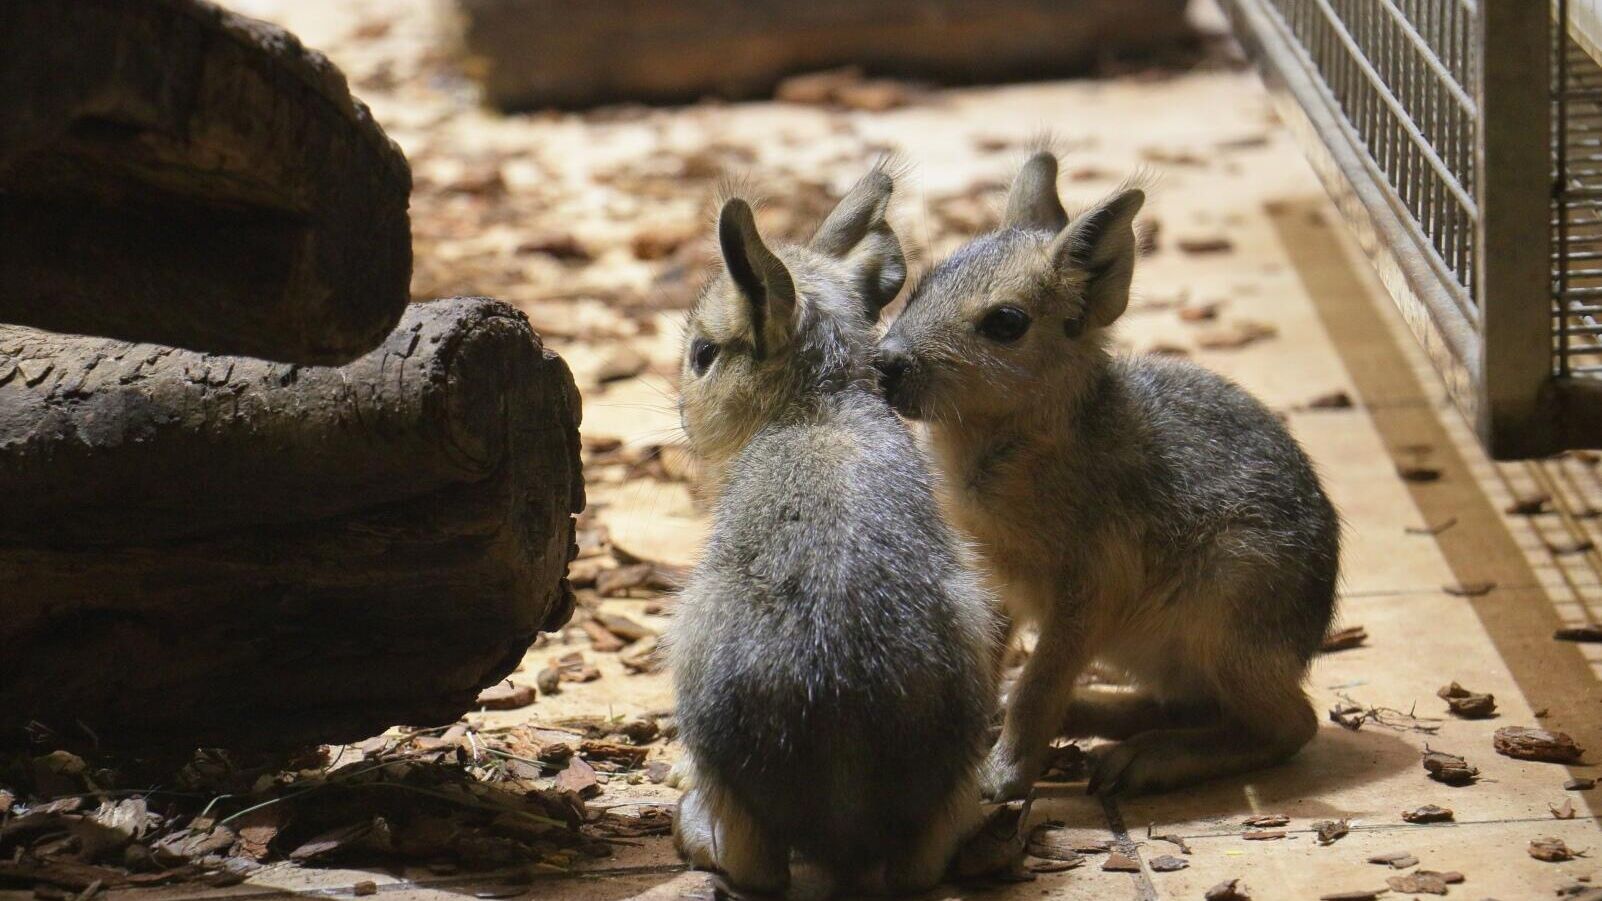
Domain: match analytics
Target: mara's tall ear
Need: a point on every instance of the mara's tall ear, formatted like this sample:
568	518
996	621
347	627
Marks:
857	232
1100	242
760	276
1032	203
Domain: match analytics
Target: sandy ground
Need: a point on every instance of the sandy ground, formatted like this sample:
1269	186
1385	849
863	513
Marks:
594	225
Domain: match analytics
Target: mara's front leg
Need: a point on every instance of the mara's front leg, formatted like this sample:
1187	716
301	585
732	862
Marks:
1035	713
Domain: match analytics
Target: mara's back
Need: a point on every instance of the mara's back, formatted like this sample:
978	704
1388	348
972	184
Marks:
825	657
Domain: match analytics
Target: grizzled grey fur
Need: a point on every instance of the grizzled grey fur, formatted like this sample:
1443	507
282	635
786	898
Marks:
833	658
1150	517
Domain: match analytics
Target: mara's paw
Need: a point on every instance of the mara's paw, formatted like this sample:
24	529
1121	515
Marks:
1005	776
1136	766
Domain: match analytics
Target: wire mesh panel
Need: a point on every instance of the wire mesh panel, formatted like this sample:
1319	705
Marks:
1401	74
1462	139
1577	209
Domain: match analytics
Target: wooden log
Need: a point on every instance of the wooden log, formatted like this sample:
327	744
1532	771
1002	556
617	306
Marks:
208	550
176	173
531	54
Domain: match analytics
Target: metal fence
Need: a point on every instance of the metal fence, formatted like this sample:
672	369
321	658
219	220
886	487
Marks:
1463	141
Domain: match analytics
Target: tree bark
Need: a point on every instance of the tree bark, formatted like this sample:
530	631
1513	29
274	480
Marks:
216	550
176	173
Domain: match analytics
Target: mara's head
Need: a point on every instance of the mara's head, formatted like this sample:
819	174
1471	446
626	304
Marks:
1016	312
783	326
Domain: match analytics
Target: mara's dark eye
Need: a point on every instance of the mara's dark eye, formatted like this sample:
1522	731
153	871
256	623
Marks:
1004	324
702	353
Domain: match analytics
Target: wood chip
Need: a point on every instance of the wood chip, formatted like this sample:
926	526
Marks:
1579	784
601	641
578	779
1423	882
1435	529
1119	862
1358	895
1344	639
624	628
1263	835
1429	813
1467	704
1334	400
1564	811
1536	744
1206	244
1564	547
1201	312
1331	831
1551	850
1529	505
364	888
1167	863
1449	769
1590	632
503	696
1399	860
1236	335
1469	589
1413	472
1228	890
642	656
1267	819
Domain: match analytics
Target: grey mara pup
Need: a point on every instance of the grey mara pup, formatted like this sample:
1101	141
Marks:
831	654
1148	516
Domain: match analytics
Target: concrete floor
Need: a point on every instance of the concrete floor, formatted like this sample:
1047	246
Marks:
1223	167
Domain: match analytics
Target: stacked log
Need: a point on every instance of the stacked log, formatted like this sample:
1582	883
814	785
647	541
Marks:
176	173
205	549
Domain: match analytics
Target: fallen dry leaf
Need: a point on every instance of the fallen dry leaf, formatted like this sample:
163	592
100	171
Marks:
1590	632
1396	860
1413	472
1449	769
1236	335
1119	862
578	779
506	696
1328	832
1536	744
1334	400
1426	882
1550	849
1205	244
1228	890
1429	813
1529	505
1564	811
1344	639
1267	819
1467	704
1568	546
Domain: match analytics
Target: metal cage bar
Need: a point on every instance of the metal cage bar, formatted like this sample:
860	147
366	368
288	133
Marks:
1462	139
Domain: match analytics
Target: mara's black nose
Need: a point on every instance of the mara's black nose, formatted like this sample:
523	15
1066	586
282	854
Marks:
892	365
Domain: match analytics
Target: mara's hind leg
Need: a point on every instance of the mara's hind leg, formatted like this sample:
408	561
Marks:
713	831
923	864
1264	718
1119	712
